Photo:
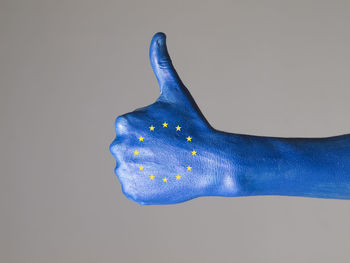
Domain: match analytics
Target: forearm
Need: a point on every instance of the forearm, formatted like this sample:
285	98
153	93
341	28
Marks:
290	166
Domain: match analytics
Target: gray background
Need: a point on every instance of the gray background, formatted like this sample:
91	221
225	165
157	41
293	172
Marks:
68	68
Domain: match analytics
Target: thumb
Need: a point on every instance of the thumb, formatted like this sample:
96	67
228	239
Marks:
171	86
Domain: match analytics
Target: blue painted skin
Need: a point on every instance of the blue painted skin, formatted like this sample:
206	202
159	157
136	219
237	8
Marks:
224	164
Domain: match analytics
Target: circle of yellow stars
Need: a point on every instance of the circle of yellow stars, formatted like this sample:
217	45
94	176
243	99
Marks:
178	129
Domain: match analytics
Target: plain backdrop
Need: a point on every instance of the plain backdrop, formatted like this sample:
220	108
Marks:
69	68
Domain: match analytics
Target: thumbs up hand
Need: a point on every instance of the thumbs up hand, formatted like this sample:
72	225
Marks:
167	152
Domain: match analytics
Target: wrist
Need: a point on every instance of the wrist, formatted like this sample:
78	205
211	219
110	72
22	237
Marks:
249	165
225	164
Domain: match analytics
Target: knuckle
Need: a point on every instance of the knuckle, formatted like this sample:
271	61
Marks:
130	187
117	149
113	148
118	170
121	124
121	172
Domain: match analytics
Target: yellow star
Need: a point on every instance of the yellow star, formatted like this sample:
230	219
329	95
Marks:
141	139
178	128
151	128
151	177
165	125
165	179
178	177
189	138
136	152
189	168
194	152
141	168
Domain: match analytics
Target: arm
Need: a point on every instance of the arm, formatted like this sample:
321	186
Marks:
168	153
309	167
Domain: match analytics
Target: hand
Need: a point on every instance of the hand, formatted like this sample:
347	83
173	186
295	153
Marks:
167	152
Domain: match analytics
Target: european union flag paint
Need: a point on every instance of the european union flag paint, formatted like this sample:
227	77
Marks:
168	153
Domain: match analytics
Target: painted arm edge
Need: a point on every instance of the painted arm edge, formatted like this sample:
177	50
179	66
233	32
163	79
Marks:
306	167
